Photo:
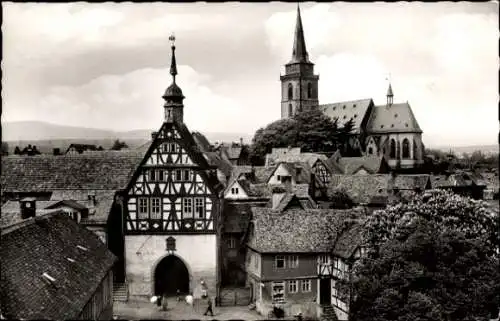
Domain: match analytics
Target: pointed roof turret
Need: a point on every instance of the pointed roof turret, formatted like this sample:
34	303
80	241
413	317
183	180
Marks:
299	53
173	92
390	95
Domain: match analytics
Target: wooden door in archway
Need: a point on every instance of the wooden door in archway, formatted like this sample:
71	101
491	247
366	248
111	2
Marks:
171	275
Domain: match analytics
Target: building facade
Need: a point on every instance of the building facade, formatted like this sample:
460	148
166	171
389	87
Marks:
390	129
172	212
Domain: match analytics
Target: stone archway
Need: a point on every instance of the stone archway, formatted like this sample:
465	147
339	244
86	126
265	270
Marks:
170	275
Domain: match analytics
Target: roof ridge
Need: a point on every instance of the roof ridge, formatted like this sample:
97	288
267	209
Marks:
345	101
28	221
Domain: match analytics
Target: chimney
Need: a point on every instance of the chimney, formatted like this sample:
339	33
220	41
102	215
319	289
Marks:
28	207
278	193
153	135
241	141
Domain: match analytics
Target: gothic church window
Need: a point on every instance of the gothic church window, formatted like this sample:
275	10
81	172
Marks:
370	150
290	110
290	91
309	90
393	149
406	148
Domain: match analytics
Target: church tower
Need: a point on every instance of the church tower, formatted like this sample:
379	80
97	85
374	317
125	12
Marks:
299	84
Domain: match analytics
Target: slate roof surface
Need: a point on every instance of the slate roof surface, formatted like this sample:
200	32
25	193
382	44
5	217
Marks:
456	180
309	158
361	188
11	211
343	111
349	165
394	118
202	141
410	182
222	164
297	231
44	246
349	241
110	170
237	215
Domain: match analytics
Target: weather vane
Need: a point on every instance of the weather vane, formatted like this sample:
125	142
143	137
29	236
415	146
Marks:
388	77
172	39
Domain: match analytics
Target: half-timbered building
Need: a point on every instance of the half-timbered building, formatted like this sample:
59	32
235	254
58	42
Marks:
172	214
290	255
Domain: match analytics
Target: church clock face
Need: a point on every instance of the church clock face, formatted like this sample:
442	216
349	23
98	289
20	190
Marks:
170	193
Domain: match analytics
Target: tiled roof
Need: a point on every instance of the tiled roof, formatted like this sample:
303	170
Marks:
349	165
98	214
44	245
393	118
410	182
237	215
349	241
11	211
456	180
109	170
309	158
304	200
202	141
343	111
251	179
297	231
222	164
361	188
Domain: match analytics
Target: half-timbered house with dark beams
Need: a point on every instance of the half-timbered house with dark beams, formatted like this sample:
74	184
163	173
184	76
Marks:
172	216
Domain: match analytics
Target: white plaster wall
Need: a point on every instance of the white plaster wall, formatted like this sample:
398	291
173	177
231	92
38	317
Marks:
240	195
281	171
144	252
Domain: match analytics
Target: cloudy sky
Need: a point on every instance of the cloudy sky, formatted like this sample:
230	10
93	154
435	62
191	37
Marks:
106	65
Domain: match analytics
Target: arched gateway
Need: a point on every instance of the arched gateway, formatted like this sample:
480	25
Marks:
171	274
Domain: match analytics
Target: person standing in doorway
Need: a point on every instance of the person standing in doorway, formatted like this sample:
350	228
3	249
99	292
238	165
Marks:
164	302
209	307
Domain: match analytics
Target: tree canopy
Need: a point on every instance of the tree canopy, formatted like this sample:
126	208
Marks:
432	257
118	145
312	131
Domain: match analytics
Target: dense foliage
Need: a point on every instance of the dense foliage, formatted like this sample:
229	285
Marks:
433	257
339	199
118	145
312	131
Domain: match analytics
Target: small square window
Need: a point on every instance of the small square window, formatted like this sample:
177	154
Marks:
280	261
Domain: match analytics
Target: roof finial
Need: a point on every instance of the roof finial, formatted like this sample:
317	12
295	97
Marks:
173	64
390	94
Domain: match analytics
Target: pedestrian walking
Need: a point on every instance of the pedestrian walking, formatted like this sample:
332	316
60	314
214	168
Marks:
164	302
209	307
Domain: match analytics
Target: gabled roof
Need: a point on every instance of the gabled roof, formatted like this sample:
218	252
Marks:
300	172
350	165
361	188
305	201
110	170
297	231
345	110
393	118
69	203
222	164
459	179
349	241
45	245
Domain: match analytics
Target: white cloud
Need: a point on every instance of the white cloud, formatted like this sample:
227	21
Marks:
445	64
133	98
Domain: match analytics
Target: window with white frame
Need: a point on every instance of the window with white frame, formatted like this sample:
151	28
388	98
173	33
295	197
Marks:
292	286
280	262
199	207
293	261
155	208
143	208
278	292
305	285
187	208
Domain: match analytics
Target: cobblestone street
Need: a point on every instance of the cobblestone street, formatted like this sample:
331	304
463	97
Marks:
181	311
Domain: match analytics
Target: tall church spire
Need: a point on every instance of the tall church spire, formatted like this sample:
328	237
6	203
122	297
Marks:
174	109
299	53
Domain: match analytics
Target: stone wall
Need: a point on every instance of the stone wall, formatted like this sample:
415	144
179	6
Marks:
144	252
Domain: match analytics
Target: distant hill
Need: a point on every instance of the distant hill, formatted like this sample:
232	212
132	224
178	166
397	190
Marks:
47	136
487	149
